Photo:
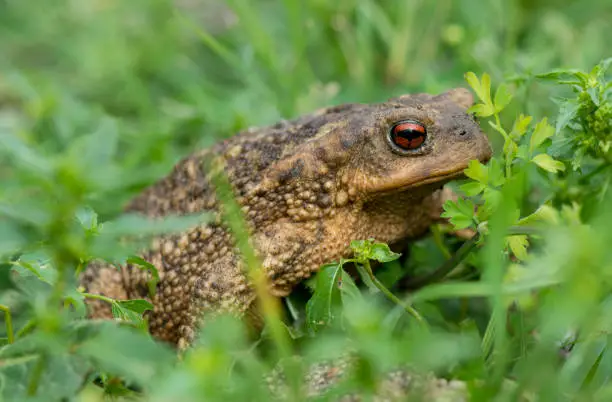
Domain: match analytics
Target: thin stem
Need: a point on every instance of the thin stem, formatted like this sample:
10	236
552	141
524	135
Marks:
98	297
523	230
594	172
409	309
444	269
465	249
508	158
438	239
26	328
8	319
36	375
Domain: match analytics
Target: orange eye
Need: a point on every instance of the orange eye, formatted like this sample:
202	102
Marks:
408	135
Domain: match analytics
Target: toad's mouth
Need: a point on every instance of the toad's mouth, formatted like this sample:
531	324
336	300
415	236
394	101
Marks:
433	182
439	180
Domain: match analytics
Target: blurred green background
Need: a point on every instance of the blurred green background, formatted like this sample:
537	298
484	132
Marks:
106	95
175	75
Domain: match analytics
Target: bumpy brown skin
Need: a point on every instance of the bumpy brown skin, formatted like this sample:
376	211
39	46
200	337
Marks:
307	188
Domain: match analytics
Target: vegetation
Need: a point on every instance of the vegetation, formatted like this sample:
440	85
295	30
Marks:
98	98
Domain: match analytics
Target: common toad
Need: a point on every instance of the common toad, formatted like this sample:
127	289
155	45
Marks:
307	187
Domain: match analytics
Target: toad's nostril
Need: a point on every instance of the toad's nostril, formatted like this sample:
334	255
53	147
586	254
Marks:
462	132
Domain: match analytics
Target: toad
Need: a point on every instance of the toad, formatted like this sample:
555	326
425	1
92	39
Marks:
307	188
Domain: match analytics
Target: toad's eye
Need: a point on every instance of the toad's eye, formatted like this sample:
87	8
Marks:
407	135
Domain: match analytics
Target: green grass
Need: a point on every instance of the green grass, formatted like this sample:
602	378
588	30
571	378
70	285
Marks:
99	98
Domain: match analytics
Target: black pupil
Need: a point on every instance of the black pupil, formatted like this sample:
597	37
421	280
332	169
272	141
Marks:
408	138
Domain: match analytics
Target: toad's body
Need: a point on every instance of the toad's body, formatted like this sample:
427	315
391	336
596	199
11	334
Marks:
307	188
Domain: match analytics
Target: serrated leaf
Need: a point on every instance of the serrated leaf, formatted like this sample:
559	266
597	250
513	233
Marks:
502	97
518	245
472	188
541	133
460	213
594	95
131	311
496	173
382	253
520	126
137	305
370	250
492	198
567	112
556	74
477	171
547	163
124	314
481	110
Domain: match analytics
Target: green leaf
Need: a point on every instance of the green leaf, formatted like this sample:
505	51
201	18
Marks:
518	244
556	74
320	309
131	310
541	133
460	213
123	351
520	126
492	198
502	97
349	292
146	265
474	83
370	250
472	188
477	171
97	149
61	378
125	314
481	110
496	173
544	214
26	157
485	85
133	224
137	305
547	163
382	253
568	110
11	238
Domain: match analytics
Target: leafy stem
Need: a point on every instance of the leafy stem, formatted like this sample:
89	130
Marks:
366	271
8	319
